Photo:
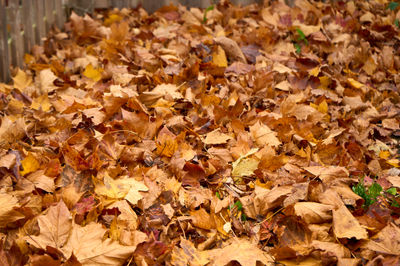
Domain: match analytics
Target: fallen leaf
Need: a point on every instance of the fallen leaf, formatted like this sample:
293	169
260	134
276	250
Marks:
263	135
55	227
88	246
313	212
93	73
187	254
242	251
216	137
345	225
8	212
22	80
387	241
29	164
231	48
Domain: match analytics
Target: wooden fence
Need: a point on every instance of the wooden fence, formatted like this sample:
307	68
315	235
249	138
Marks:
24	23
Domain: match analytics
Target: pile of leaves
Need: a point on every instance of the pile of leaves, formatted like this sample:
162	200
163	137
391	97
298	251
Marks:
258	134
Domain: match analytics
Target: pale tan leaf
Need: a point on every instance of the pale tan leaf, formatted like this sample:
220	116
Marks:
231	49
8	214
313	212
87	244
242	251
216	137
263	135
55	227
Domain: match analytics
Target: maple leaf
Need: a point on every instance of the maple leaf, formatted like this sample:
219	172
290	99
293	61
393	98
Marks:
216	137
387	241
22	80
244	166
41	102
93	73
219	57
88	246
55	227
121	188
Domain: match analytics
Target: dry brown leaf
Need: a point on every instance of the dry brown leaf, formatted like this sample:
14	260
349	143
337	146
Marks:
332	248
263	135
188	255
202	219
313	212
345	225
55	227
216	137
231	48
88	246
242	251
8	214
387	241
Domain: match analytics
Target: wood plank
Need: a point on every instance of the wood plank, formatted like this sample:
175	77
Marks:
27	20
58	13
4	63
40	21
49	15
17	45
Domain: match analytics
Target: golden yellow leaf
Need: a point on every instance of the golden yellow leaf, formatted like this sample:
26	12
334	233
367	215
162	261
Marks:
325	81
111	19
394	162
121	188
93	73
354	83
384	154
22	80
41	102
322	107
314	72
219	57
29	164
